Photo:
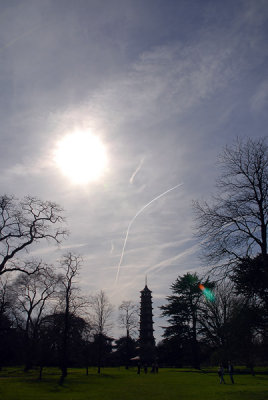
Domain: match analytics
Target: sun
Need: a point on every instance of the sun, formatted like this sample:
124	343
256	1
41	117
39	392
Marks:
81	156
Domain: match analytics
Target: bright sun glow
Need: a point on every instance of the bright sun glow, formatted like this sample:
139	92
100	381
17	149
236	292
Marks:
81	157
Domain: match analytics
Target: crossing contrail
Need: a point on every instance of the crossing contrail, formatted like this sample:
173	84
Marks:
133	219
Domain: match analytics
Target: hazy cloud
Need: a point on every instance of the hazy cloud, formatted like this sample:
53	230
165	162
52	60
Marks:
164	86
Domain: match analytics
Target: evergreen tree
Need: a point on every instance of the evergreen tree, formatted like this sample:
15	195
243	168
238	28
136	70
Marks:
183	310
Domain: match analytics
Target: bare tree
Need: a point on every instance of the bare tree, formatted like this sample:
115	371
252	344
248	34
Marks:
6	320
101	313
234	224
128	319
69	303
31	294
5	298
215	317
23	223
100	319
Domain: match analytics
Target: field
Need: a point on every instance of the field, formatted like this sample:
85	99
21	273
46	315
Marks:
119	384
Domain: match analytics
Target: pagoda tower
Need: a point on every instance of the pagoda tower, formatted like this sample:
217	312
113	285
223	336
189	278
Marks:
146	339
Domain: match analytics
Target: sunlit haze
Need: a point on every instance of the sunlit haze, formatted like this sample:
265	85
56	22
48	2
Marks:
81	157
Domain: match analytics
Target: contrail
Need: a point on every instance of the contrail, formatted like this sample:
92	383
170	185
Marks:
17	38
133	219
136	171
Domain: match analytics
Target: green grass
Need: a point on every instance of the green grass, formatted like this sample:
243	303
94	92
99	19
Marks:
119	384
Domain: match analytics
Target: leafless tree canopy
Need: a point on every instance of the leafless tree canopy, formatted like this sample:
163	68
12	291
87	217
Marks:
70	297
6	299
31	294
23	223
215	315
101	313
128	317
234	224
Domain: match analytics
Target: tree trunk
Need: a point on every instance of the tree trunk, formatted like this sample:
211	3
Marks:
195	346
28	355
64	355
99	353
127	349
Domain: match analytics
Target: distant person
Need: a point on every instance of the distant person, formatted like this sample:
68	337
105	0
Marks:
145	368
153	368
139	368
156	368
231	371
221	373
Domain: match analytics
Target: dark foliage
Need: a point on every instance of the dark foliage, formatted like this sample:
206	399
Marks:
250	276
183	309
125	348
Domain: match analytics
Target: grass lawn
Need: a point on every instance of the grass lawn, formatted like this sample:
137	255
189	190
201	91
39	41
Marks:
119	384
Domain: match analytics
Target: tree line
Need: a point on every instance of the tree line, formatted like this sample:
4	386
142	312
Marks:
211	318
231	227
44	318
46	321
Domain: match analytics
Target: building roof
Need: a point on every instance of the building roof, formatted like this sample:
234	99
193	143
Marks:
146	290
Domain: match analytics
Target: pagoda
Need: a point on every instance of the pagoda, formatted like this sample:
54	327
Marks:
146	339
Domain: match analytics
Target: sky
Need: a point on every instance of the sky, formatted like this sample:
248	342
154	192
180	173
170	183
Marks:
164	85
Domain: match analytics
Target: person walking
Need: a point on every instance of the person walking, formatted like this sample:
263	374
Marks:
231	371
221	373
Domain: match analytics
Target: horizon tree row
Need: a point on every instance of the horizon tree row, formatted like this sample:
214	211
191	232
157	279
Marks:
45	320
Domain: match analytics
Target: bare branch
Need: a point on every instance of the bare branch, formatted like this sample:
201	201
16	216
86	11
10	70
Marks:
101	311
234	224
25	222
128	317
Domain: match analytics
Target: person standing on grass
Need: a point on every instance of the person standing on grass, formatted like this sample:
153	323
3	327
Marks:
156	368
221	373
139	368
231	371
